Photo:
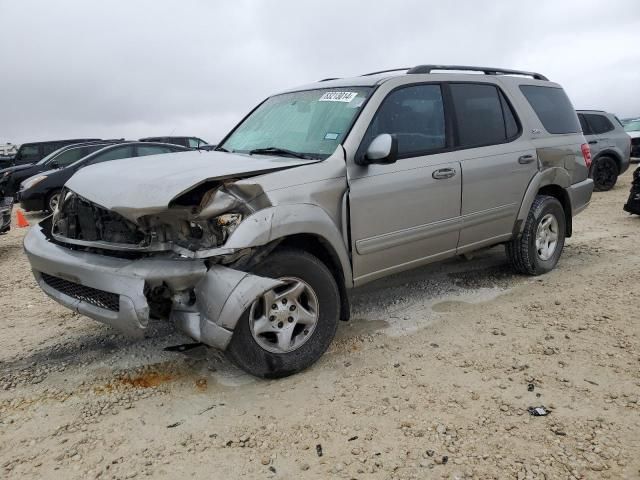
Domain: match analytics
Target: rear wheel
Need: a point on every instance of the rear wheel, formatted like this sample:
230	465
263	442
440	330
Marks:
604	173
538	249
288	328
52	201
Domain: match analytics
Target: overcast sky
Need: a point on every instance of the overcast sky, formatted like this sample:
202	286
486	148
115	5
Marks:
75	68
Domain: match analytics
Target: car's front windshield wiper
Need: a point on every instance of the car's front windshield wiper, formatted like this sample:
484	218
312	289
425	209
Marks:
279	151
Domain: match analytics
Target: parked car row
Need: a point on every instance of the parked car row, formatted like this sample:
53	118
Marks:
33	152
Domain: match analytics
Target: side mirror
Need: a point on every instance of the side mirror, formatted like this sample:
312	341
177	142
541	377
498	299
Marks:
54	165
383	149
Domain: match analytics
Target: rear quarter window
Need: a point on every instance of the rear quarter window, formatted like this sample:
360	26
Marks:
553	108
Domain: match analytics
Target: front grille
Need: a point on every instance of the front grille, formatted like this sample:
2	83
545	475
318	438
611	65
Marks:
99	298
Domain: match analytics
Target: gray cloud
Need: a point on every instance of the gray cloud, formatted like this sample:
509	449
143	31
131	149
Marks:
129	69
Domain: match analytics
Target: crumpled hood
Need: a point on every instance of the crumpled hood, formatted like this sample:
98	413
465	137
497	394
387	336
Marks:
147	184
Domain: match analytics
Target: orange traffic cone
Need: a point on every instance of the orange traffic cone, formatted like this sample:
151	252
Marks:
22	222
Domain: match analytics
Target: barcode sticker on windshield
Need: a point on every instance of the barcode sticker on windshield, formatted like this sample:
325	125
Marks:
338	97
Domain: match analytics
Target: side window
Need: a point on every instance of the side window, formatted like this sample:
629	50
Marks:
144	150
415	115
194	142
479	116
29	152
599	123
553	108
49	148
125	151
583	123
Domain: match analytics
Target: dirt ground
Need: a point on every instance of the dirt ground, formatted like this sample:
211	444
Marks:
432	378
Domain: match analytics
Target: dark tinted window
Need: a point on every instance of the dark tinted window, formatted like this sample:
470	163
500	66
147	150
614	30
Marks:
144	150
479	116
553	108
583	123
125	151
510	122
29	152
49	148
599	123
415	115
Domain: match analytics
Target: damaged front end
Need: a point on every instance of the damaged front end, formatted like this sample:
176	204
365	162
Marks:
123	269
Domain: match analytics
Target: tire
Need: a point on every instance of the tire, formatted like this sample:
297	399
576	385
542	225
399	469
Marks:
523	252
604	173
245	349
51	197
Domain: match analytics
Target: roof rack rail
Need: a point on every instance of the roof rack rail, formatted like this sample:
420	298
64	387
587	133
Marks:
485	70
330	78
384	71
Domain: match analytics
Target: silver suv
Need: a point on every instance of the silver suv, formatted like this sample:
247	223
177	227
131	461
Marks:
253	248
610	147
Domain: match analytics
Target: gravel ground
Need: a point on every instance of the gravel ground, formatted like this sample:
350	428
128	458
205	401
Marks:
432	378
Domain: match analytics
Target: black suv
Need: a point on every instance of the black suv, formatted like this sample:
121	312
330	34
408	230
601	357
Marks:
36	151
42	191
189	142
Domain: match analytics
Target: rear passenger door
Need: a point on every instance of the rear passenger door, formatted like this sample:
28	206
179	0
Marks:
497	163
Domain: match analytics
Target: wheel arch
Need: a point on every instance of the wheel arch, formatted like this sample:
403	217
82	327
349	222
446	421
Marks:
304	226
609	152
553	182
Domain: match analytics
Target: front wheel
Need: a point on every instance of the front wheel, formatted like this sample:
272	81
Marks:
288	328
538	249
52	201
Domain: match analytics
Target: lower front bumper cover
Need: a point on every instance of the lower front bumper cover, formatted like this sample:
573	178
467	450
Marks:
221	293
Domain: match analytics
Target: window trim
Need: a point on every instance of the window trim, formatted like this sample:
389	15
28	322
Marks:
452	141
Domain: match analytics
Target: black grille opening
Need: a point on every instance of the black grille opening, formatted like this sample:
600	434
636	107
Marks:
99	298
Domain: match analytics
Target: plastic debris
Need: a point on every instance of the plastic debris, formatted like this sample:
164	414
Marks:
355	437
540	411
530	387
319	450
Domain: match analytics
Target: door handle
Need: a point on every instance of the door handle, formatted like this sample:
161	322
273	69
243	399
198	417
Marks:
444	173
524	159
593	142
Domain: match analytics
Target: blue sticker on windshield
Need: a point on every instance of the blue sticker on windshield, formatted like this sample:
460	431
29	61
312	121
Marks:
331	136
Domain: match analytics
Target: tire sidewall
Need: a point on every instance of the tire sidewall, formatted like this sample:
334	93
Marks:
245	351
598	162
553	206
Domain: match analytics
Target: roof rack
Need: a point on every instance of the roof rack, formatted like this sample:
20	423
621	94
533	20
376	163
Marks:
385	71
485	70
327	79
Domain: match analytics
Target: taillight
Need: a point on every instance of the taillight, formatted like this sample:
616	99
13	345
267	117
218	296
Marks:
586	154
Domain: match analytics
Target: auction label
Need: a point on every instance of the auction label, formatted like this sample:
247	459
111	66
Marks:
338	97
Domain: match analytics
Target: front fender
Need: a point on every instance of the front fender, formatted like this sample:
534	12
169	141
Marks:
282	221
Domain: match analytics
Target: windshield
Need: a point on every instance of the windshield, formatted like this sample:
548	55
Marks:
310	122
632	126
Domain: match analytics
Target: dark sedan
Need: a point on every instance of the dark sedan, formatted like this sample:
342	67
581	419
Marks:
42	192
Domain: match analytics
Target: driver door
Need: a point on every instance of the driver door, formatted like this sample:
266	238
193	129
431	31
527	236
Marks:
406	213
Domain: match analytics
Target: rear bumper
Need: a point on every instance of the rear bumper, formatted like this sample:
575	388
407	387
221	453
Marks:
580	195
113	290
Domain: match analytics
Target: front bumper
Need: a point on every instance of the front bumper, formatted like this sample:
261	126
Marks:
113	290
6	206
31	203
580	195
